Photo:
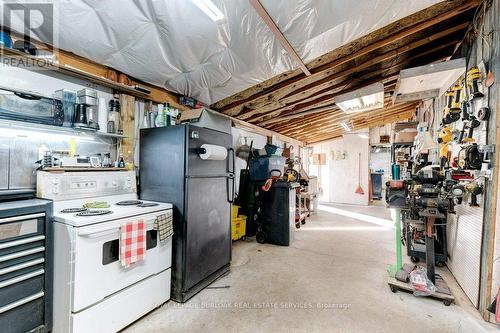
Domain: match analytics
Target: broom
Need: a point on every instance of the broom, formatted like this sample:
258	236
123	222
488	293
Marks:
359	189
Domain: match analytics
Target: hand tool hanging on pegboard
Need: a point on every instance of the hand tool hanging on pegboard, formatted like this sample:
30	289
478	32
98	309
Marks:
444	139
473	80
474	189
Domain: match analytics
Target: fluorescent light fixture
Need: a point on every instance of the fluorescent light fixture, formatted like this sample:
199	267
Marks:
209	9
428	81
365	99
346	126
363	136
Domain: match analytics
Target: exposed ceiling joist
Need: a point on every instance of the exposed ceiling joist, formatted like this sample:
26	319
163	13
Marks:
278	34
428	18
303	107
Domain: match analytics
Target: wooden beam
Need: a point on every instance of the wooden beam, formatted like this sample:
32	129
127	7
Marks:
306	110
337	116
314	82
388	88
301	114
358	122
330	136
388	73
362	46
340	117
86	69
278	34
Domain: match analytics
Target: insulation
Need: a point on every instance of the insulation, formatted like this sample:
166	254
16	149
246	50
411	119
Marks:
172	43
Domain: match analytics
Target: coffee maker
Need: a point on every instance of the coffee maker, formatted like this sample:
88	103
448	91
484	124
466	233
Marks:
86	112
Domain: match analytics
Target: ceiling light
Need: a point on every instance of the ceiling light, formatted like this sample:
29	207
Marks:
346	126
427	81
209	9
365	99
363	136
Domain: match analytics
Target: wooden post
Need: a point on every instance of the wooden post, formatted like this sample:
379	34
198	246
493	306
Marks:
488	249
127	114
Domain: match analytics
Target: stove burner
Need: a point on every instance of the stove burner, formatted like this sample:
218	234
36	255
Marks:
129	203
74	210
94	213
148	204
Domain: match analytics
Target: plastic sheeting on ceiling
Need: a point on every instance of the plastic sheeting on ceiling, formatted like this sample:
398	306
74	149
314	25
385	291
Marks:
172	43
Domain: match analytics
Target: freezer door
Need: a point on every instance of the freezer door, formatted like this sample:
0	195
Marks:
198	136
208	228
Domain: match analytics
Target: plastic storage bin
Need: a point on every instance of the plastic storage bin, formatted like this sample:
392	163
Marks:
260	167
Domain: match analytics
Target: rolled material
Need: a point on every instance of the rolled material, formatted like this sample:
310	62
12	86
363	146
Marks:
102	115
213	152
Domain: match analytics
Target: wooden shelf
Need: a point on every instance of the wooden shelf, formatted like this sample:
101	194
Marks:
71	71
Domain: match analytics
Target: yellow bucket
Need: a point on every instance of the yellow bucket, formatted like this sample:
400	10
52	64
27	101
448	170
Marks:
238	227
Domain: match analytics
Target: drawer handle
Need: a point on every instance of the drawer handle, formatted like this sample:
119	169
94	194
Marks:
21	278
21	266
21	218
21	242
21	302
22	253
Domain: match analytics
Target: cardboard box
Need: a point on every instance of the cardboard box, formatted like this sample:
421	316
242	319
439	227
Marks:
319	159
406	136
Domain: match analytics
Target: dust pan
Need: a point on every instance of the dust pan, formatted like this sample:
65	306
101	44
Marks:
359	189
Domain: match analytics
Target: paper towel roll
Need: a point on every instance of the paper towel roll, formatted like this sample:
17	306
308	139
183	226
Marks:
213	152
102	117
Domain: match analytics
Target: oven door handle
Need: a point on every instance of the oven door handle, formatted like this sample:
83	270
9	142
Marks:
106	231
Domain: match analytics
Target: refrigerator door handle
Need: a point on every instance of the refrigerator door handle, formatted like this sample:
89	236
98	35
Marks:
230	188
231	161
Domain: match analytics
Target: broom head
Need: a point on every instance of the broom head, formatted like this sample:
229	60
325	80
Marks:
359	190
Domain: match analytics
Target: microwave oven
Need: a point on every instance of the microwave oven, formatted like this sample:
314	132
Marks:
30	107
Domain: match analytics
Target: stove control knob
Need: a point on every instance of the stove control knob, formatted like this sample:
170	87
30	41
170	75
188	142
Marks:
55	190
114	183
55	181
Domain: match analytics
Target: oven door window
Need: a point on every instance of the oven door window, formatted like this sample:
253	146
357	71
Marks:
111	249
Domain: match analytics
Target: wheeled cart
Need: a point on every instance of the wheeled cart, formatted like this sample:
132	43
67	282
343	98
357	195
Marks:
442	293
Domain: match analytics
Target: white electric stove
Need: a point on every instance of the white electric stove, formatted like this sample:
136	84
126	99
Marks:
92	291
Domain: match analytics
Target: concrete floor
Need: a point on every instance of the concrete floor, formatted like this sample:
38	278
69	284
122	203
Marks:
332	279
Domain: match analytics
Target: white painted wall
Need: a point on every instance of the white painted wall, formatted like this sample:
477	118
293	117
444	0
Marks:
339	177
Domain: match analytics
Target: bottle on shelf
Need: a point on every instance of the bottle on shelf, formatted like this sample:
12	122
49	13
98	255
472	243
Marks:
121	162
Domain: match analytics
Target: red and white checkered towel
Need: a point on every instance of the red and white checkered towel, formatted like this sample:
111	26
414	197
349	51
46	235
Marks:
132	242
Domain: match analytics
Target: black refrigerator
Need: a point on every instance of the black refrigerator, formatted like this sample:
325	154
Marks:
201	190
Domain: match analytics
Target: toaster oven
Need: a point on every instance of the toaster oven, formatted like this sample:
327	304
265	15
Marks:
30	107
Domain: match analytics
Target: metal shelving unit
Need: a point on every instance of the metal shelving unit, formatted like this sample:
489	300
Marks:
56	129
